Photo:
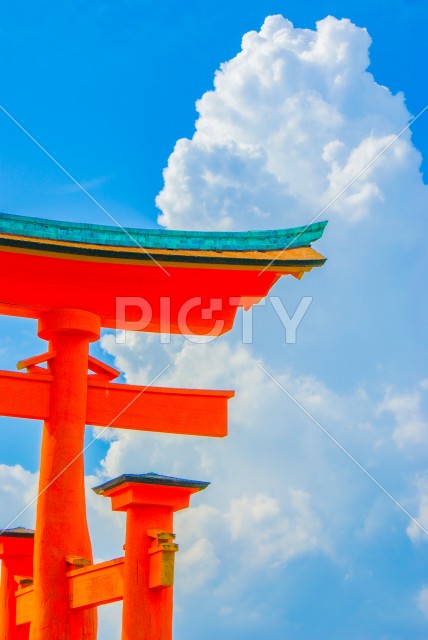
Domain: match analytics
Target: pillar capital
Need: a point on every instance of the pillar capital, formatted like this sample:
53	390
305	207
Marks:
69	320
149	489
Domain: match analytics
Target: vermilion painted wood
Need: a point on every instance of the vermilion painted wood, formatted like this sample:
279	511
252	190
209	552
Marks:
96	585
24	395
181	411
88	587
66	397
147	613
36	284
24	605
16	555
61	526
182	297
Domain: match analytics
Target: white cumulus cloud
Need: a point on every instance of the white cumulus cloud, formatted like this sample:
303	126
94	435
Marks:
18	495
411	425
292	120
275	465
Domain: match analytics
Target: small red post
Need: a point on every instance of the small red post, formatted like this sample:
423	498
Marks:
149	501
16	554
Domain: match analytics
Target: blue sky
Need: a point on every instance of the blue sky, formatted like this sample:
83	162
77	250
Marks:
291	538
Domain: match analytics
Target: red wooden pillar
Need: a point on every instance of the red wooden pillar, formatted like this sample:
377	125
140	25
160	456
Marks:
61	525
16	554
149	501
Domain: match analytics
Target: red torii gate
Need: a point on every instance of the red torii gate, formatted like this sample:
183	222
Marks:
67	399
70	277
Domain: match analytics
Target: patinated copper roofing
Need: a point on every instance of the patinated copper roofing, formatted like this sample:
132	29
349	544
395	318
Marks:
105	235
201	276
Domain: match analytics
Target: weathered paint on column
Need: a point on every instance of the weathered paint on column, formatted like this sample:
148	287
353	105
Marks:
147	613
61	525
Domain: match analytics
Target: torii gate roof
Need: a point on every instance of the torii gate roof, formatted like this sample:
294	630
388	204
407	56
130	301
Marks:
196	275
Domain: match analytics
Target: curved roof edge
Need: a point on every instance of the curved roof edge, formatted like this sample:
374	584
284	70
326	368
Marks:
81	232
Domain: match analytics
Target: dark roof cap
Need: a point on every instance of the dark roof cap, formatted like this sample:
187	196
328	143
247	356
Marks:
150	478
17	532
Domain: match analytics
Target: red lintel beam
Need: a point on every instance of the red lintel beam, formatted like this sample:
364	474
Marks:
184	411
180	411
97	584
89	587
24	395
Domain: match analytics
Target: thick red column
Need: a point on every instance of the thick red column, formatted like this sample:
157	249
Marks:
147	613
61	525
16	554
149	501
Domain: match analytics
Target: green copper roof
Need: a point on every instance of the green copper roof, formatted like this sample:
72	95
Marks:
160	238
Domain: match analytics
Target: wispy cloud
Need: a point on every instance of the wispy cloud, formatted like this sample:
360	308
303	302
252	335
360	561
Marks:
90	184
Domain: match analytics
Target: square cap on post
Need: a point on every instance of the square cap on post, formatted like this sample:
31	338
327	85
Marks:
16	542
149	489
16	554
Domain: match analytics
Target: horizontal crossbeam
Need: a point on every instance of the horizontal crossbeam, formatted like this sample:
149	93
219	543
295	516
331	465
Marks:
88	587
98	584
122	406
